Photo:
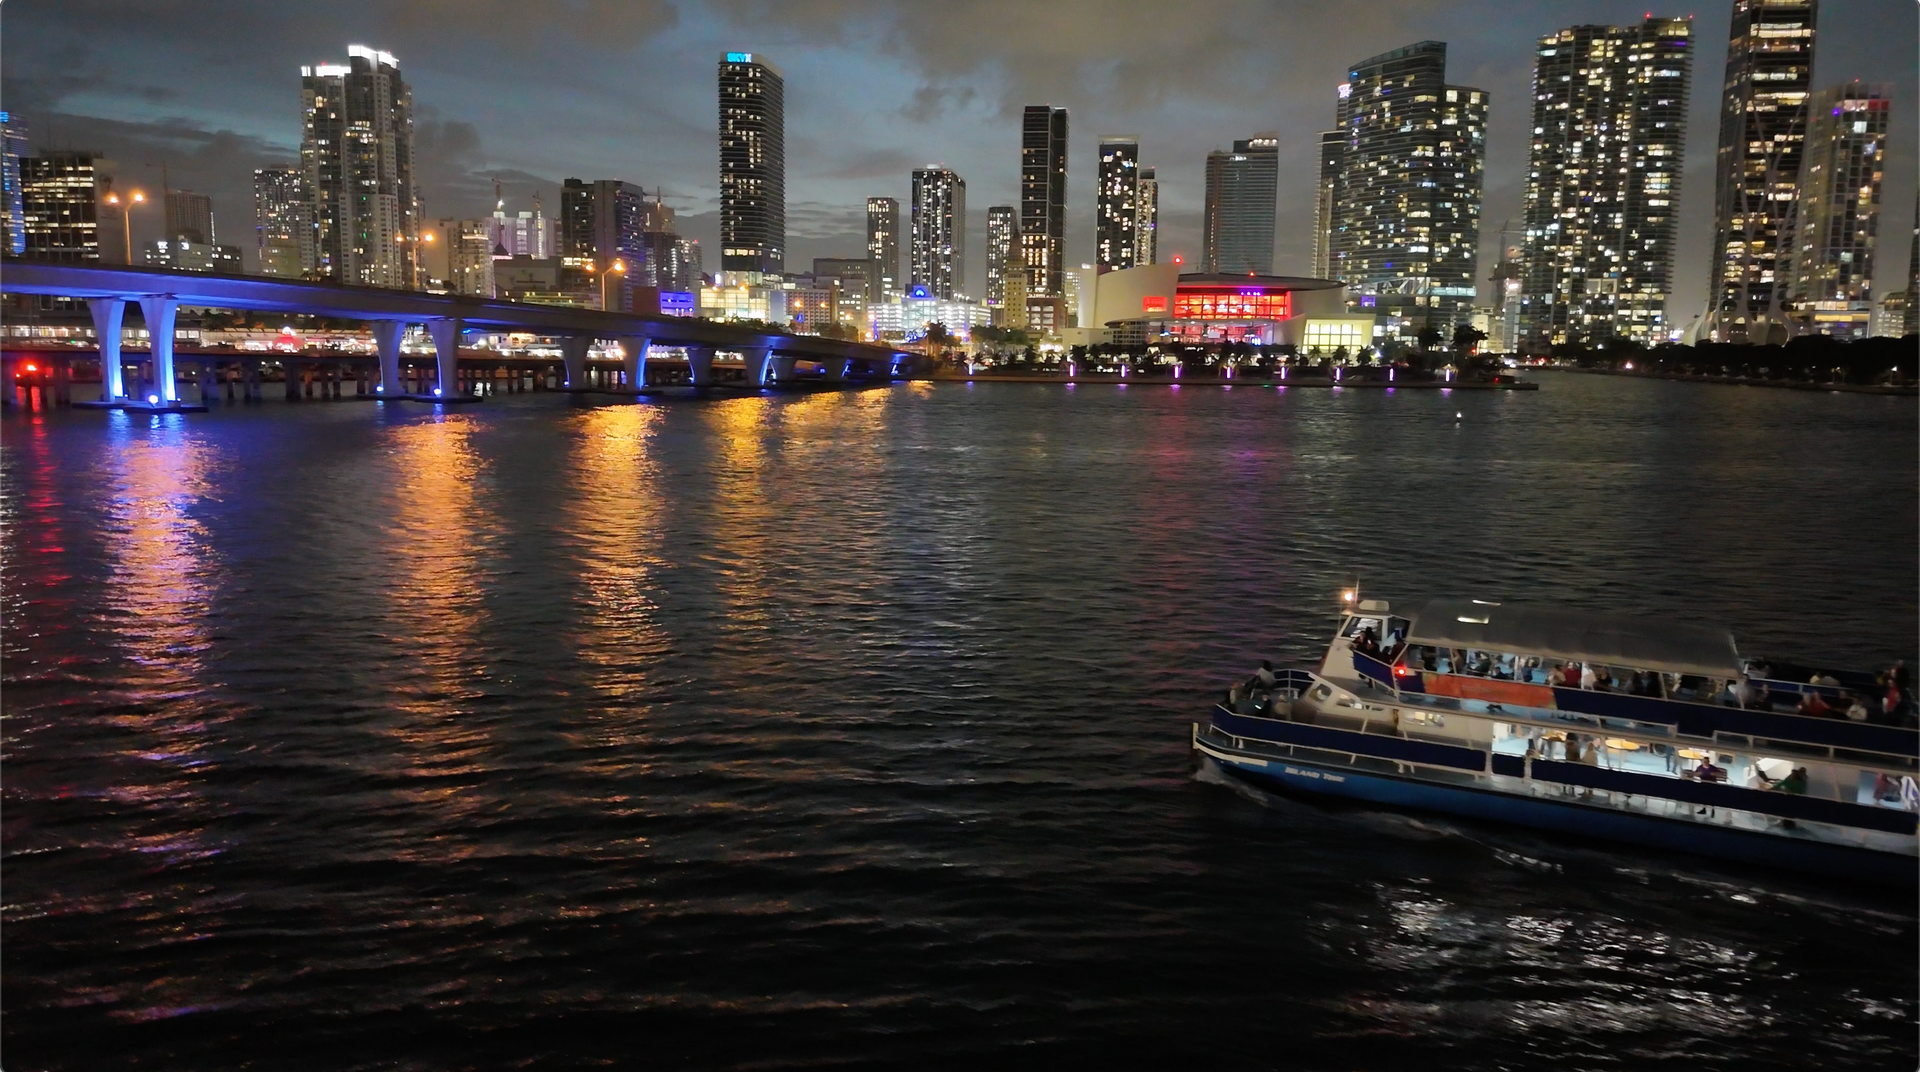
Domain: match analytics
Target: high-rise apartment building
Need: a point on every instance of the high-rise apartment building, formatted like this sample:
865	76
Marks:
855	276
1838	219
883	241
1043	198
457	256
1406	226
1003	252
1911	321
13	146
753	165
602	229
1146	227
939	246
1603	186
1763	124
190	217
1333	145
357	149
1242	190
1117	206
60	207
283	222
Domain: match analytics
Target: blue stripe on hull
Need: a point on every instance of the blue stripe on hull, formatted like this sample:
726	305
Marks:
1645	830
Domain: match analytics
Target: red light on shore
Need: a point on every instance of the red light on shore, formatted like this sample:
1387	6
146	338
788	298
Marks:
29	367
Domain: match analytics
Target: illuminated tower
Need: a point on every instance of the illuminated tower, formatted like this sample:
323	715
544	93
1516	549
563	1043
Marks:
1117	207
1043	198
283	222
883	243
1146	228
357	150
939	248
1763	123
1242	191
1838	219
753	165
1003	246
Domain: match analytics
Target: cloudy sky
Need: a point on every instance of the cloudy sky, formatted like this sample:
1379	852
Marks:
529	92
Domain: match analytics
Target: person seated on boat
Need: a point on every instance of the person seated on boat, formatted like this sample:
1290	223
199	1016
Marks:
1479	664
1814	706
1504	668
1602	679
1827	680
1857	711
1587	676
1744	694
1708	772
1263	679
1794	783
1367	642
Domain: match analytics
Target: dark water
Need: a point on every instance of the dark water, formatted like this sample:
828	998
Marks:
852	730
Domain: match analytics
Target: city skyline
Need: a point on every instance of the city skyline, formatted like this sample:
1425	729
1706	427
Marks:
845	146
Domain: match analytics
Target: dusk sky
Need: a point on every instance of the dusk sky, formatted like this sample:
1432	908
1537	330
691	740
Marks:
532	93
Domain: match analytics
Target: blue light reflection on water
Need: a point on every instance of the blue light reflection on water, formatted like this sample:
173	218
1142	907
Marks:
852	727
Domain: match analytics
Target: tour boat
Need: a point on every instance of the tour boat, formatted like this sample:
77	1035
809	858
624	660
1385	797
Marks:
1605	726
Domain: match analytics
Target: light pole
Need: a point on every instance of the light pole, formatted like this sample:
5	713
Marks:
618	267
126	217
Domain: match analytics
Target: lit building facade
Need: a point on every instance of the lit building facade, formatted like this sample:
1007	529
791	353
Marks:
1838	219
1406	226
1243	188
908	316
1146	227
190	217
13	147
603	226
527	234
283	222
939	246
357	150
1763	125
1043	198
1117	206
1003	245
1156	303
1333	144
853	275
458	256
753	165
1603	182
883	240
182	255
60	207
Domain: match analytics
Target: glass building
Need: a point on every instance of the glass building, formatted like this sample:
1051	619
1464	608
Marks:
1763	123
1406	227
1043	198
1146	228
1603	182
357	150
1117	206
1003	244
1242	191
60	204
1838	218
939	247
13	146
753	165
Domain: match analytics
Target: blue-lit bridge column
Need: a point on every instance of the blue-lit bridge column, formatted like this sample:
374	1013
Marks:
108	316
446	351
759	362
633	349
838	369
783	370
159	310
700	365
386	338
573	353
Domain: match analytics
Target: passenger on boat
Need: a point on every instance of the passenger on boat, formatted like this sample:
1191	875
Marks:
1587	676
1743	693
1708	772
1857	712
1263	679
1795	782
1368	641
1812	705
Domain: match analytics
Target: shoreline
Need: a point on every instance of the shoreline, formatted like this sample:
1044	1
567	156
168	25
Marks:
1908	390
1097	378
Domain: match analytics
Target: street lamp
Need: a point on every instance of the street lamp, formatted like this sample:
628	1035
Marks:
617	267
126	217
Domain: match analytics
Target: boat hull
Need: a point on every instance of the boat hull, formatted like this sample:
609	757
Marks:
1569	816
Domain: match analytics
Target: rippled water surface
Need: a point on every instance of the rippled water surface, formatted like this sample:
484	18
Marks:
852	730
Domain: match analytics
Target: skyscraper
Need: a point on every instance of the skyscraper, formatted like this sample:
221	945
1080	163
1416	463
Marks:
283	222
1146	228
1242	190
1838	219
1043	197
939	247
1406	226
1003	245
1333	144
883	241
190	216
1763	123
603	224
1117	208
60	204
753	165
13	146
1603	188
357	149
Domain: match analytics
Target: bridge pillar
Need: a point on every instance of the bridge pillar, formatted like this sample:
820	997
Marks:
386	339
839	369
700	365
160	310
446	348
759	363
634	349
108	315
783	369
573	351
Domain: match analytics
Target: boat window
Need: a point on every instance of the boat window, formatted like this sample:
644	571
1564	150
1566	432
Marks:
1357	623
1396	631
1888	791
1419	657
1323	692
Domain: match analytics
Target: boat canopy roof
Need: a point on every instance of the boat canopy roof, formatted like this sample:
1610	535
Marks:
1578	636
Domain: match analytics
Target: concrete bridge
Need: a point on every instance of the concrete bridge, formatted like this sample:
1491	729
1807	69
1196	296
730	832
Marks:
769	357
